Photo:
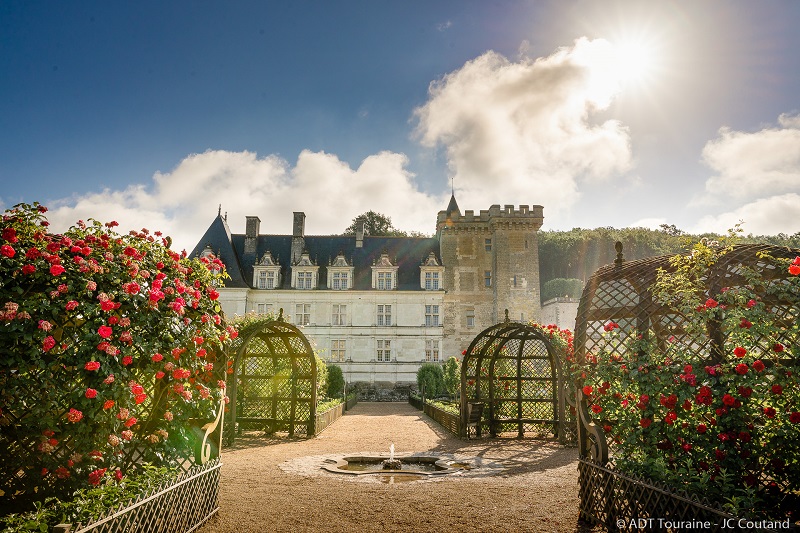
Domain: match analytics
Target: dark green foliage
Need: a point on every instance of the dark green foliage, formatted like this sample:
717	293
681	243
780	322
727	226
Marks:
561	288
430	379
375	224
452	376
335	381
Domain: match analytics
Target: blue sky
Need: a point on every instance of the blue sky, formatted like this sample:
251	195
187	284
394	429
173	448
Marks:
606	113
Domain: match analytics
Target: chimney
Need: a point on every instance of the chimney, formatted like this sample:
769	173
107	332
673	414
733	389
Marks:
360	232
298	234
252	229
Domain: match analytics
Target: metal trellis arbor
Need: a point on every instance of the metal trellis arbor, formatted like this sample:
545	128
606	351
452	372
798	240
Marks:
515	372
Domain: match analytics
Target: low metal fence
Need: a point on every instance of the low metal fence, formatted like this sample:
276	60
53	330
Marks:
621	502
180	505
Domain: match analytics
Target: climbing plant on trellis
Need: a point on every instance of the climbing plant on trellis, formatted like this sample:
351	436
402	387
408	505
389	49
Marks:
273	382
688	375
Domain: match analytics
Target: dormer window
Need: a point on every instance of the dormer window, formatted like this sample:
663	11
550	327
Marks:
431	274
305	273
340	274
267	272
384	274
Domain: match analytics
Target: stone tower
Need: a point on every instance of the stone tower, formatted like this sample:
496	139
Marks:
492	264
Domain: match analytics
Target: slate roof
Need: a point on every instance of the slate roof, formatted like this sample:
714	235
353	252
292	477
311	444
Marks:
406	252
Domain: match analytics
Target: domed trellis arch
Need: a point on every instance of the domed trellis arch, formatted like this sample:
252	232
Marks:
273	384
514	371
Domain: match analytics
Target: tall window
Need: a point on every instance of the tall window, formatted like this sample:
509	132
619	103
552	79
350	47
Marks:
340	281
431	315
338	350
302	314
487	278
263	309
304	280
384	353
470	318
339	317
270	280
431	350
262	279
384	315
431	281
384	281
487	245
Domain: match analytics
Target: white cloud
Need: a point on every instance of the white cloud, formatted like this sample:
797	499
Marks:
765	216
757	164
182	203
651	223
523	130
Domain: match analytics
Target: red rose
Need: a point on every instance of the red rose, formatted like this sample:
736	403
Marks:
596	409
157	357
777	389
91	393
96	475
74	415
127	360
57	270
645	422
7	251
104	331
739	352
777	347
745	324
587	390
28	269
10	234
758	365
794	418
159	374
794	269
742	369
728	400
108	404
91	366
701	428
745	392
711	303
48	343
129	422
769	412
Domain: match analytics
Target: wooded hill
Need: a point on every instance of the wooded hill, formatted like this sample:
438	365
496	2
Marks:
577	253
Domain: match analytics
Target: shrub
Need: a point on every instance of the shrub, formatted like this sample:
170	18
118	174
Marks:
430	379
335	381
562	287
111	345
452	376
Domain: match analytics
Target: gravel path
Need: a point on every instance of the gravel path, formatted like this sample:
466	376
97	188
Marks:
277	485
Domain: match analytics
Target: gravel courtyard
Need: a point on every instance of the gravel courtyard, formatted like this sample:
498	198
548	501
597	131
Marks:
275	484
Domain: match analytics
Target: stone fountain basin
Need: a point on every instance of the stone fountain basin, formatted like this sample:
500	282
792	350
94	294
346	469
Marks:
417	465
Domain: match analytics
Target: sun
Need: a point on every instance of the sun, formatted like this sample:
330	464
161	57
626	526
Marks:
633	61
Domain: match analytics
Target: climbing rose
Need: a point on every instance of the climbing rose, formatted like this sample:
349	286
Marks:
645	422
777	389
74	415
711	303
57	270
794	418
7	251
96	475
108	404
758	365
739	352
587	390
91	393
48	343
742	369
91	366
104	331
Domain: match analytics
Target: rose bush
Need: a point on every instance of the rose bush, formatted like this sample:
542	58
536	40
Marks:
111	344
713	408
